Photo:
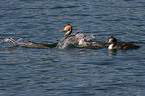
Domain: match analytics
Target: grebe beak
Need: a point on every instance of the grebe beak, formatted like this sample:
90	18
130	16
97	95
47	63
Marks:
61	30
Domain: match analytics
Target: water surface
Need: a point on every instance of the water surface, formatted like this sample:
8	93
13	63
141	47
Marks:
72	71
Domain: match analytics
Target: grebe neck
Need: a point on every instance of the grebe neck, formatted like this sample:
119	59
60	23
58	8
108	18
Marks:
111	46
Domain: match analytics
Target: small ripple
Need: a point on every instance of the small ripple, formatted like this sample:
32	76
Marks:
84	14
58	7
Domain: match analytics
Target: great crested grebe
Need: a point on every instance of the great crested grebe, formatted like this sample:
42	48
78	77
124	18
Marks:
80	37
28	44
113	44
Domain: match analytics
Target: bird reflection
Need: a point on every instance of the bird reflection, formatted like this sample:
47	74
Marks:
112	52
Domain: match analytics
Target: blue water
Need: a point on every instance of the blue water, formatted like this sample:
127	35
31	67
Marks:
72	71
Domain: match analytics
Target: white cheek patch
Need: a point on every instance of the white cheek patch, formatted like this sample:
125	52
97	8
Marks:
65	29
110	40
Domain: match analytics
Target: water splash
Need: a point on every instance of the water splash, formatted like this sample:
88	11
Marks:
22	40
92	36
66	42
74	40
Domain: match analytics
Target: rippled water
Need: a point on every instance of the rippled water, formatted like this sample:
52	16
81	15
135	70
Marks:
72	71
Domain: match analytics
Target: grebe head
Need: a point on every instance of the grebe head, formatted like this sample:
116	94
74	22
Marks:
112	42
67	28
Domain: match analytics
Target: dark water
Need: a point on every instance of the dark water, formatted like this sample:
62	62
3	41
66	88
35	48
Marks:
74	72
